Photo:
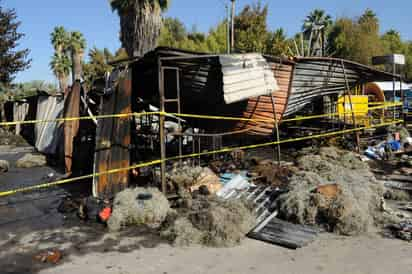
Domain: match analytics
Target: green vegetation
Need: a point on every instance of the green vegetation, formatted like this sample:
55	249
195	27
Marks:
143	28
356	39
99	64
12	60
69	50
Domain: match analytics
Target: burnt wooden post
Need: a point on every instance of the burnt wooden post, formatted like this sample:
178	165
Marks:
113	139
162	139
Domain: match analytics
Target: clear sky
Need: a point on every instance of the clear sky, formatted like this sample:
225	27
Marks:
100	25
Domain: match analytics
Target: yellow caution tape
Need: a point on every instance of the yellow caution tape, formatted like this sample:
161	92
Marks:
224	150
212	117
123	115
271	120
70	180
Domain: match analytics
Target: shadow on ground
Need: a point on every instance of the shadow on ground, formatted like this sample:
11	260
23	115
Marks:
18	250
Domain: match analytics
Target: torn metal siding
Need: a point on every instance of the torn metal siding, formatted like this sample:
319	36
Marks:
71	128
317	77
112	150
269	107
49	135
20	112
246	76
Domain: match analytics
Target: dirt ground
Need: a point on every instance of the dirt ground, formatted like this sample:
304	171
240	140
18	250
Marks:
329	254
30	224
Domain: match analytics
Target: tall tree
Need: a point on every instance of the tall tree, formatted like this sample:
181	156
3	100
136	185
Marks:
392	42
77	46
98	64
358	40
140	24
60	39
60	63
315	28
251	28
277	43
12	60
317	18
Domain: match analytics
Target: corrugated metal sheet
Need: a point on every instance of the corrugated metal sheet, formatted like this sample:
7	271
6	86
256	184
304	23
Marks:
317	77
246	76
20	112
264	107
48	135
206	90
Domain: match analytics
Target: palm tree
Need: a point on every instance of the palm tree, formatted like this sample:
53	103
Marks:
60	39
60	60
316	19
77	46
314	28
140	23
60	65
368	15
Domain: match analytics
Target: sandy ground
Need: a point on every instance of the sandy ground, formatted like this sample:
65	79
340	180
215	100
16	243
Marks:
329	254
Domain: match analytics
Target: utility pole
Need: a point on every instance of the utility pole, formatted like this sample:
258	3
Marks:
232	40
228	46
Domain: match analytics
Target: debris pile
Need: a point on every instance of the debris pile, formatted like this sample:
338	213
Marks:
334	189
192	178
211	221
402	231
139	206
31	160
4	166
8	138
272	173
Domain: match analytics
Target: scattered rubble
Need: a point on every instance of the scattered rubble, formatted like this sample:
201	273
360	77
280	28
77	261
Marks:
349	207
403	230
139	206
8	138
31	160
4	166
274	174
192	178
211	221
49	256
396	194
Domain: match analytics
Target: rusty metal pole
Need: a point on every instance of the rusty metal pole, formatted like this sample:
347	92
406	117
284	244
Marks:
162	126
276	127
348	92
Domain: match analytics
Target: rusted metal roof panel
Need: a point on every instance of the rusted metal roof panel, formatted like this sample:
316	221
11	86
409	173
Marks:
264	107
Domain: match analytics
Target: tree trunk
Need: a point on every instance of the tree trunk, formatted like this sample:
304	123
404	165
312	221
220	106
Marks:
76	66
63	82
140	28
